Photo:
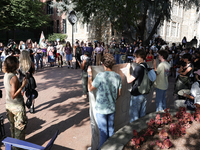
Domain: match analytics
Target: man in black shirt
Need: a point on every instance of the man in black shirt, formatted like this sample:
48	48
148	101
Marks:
138	101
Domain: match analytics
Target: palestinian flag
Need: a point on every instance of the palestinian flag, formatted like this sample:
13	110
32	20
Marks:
41	38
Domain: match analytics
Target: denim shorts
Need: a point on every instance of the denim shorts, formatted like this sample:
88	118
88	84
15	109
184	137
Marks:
68	57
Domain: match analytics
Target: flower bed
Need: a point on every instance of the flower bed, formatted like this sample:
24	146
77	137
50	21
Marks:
168	131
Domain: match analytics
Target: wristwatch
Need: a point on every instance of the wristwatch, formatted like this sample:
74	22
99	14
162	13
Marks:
89	76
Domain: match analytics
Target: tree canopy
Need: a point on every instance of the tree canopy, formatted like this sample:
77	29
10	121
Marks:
22	14
128	16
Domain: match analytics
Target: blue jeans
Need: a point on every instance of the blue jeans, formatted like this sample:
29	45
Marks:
69	57
105	124
160	99
39	57
137	107
117	57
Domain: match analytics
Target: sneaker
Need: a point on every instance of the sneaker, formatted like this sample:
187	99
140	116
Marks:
161	111
58	66
89	148
68	67
32	110
72	68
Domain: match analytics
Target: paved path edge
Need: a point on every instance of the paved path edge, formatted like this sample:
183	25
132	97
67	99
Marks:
124	135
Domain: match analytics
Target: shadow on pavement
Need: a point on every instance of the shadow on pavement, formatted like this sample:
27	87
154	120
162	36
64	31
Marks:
76	120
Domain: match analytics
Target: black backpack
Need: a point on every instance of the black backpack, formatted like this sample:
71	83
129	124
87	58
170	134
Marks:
78	51
88	63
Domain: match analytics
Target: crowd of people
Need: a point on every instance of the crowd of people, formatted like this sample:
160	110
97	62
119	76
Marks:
180	62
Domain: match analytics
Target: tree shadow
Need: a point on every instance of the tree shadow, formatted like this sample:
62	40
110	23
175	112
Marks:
76	120
193	140
62	110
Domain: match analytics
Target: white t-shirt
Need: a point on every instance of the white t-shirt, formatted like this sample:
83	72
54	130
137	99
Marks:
195	91
59	49
162	75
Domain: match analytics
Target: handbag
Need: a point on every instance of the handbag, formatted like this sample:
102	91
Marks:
123	57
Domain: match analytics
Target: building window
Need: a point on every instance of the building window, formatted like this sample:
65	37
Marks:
50	28
49	8
161	30
175	9
87	27
64	26
178	28
180	11
112	30
168	29
58	29
173	29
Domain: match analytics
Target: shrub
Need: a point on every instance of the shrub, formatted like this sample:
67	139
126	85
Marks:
55	36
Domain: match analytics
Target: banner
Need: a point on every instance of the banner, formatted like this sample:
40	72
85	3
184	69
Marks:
41	38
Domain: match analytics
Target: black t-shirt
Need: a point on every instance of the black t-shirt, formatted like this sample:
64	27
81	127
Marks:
130	52
138	73
16	51
196	65
31	51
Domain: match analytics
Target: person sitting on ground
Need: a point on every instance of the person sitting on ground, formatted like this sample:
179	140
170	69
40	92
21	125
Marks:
108	85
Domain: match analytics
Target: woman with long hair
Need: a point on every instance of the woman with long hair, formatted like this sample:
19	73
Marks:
15	106
27	68
68	51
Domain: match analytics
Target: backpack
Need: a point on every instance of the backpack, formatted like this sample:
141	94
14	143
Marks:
147	81
88	63
78	51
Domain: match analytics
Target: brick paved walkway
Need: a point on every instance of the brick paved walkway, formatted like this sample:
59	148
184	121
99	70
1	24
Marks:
60	106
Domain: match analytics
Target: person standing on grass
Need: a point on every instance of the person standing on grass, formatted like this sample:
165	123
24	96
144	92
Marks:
68	51
161	82
108	85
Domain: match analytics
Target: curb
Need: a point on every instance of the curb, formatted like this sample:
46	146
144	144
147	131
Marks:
124	135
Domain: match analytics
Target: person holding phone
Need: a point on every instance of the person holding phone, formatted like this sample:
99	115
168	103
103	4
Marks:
15	106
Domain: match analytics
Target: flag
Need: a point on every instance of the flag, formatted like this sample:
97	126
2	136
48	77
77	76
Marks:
41	38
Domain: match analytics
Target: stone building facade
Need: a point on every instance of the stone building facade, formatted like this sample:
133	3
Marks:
182	23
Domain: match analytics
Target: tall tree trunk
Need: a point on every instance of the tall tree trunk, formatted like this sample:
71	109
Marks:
7	36
153	30
143	25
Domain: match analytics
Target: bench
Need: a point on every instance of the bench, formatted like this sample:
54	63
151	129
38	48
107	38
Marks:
9	142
